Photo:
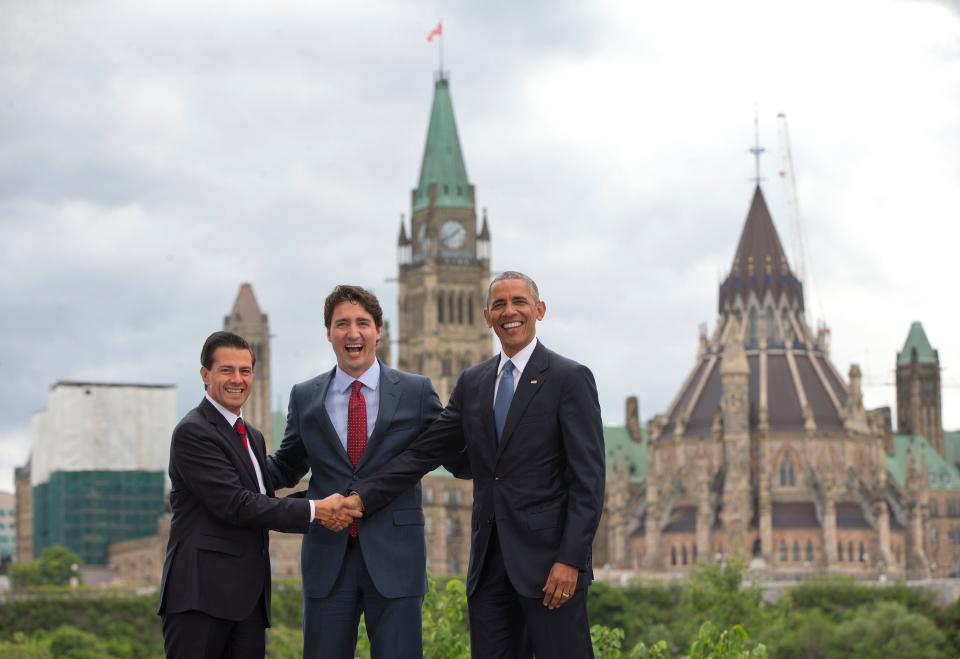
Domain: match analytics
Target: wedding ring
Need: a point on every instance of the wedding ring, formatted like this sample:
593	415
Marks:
564	594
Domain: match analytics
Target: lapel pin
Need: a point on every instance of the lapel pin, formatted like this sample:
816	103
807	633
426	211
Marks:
533	381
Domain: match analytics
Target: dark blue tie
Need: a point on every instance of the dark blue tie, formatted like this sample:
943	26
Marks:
504	395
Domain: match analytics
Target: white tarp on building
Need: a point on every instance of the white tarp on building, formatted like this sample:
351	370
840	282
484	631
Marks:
98	426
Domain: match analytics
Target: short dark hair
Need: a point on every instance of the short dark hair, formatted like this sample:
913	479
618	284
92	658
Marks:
223	340
513	274
347	293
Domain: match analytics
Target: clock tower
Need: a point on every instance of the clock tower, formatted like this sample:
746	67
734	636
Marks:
444	262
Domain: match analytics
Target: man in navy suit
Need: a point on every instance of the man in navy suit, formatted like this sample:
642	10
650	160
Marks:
526	424
342	425
215	589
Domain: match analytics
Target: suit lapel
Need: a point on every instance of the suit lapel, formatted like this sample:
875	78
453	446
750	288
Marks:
531	380
389	402
326	425
232	439
485	383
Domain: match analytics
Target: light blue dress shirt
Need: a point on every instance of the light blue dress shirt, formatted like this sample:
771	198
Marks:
338	397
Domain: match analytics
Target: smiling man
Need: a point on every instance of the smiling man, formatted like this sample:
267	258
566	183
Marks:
526	425
342	425
215	589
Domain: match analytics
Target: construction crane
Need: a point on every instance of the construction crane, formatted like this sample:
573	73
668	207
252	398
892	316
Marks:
793	205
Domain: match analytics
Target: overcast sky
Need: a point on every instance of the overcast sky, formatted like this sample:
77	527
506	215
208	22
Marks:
154	155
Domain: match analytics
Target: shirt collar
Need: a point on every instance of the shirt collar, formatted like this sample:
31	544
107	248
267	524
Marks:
520	359
370	378
227	414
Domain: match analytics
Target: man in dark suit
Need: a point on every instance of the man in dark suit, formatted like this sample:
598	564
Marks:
215	589
527	426
341	425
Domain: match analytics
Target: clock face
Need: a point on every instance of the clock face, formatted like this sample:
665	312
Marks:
453	235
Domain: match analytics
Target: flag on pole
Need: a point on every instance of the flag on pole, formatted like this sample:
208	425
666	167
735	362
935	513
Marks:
435	32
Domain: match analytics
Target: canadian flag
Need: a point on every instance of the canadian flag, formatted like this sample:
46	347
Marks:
435	32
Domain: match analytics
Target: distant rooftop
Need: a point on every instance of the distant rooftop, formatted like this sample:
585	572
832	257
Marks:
942	474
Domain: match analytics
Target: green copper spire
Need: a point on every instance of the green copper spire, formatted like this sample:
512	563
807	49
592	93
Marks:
917	339
442	157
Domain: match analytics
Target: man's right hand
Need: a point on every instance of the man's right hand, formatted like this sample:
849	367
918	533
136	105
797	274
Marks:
336	512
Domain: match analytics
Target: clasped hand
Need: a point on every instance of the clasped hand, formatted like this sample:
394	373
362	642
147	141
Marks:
337	512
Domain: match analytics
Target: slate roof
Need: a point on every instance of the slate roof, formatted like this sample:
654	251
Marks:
850	516
683	519
794	515
760	264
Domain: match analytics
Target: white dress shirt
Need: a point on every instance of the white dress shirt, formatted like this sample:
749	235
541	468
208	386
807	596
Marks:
519	363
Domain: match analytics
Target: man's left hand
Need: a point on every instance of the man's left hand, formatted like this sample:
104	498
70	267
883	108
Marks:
561	582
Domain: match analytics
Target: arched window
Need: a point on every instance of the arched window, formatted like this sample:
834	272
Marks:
863	555
694	553
933	535
796	551
850	551
810	551
465	361
787	474
770	324
684	554
673	555
753	326
460	308
839	550
451	308
470	309
783	551
446	366
453	563
440	308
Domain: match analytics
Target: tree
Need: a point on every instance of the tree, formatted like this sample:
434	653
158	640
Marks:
55	567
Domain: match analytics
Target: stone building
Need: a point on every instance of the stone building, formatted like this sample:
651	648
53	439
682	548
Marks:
767	451
247	320
23	494
444	262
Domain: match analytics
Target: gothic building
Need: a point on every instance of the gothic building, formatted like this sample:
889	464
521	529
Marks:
918	389
247	320
767	451
444	261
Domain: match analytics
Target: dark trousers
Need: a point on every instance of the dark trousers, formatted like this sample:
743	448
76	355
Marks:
196	635
506	625
330	623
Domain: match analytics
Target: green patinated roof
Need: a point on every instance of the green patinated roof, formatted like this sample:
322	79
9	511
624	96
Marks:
942	474
951	447
917	338
442	156
619	443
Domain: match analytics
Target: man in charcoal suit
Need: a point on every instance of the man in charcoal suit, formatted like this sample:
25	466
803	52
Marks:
526	425
215	589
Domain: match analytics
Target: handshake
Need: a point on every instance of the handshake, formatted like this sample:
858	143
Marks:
337	512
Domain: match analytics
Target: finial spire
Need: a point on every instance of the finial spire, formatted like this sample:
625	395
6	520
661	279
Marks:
757	150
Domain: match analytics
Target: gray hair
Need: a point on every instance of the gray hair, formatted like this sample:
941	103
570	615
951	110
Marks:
513	274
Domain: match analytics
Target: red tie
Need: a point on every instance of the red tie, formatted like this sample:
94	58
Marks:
241	429
356	433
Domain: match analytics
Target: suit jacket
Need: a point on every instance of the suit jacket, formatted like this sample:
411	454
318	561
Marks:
218	558
542	484
392	543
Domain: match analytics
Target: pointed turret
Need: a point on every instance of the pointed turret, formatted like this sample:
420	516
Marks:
443	165
760	264
246	313
917	340
919	396
403	241
247	320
